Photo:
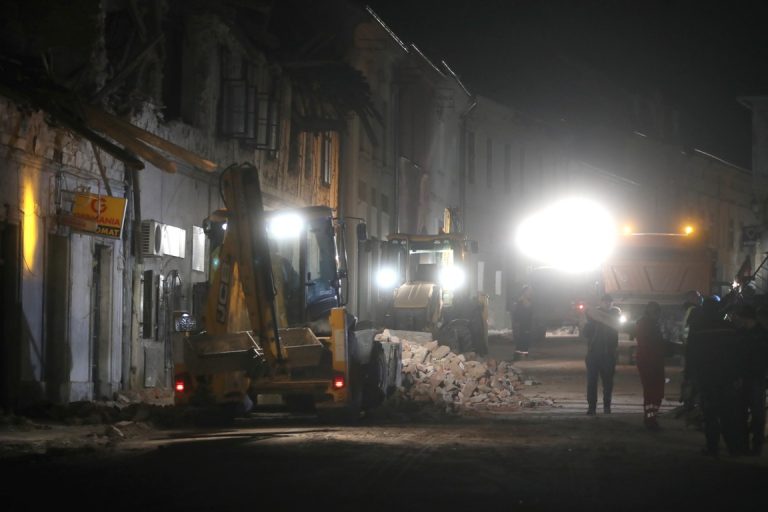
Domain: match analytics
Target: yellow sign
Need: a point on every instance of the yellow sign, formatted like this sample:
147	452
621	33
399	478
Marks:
102	215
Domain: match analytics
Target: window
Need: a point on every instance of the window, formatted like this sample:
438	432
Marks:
489	163
362	191
294	152
309	148
246	111
326	158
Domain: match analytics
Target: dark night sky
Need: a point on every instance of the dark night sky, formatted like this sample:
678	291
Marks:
699	56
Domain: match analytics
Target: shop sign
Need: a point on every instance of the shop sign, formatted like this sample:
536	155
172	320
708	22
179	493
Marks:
101	215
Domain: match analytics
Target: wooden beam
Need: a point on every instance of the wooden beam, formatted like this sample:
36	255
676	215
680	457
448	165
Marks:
102	120
142	150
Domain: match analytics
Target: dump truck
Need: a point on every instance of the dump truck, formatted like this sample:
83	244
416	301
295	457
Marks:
275	323
423	278
659	267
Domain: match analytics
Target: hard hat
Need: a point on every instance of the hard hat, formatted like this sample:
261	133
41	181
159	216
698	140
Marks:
715	298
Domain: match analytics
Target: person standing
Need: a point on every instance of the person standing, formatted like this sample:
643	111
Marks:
650	362
713	364
522	322
602	336
691	318
753	339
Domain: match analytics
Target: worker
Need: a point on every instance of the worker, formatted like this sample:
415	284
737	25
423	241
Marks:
651	348
754	365
601	332
688	392
691	308
522	322
713	365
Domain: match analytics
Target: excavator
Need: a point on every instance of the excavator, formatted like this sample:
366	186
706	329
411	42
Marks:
274	322
423	278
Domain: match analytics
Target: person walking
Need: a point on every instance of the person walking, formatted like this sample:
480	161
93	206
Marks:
601	333
753	338
522	322
650	362
713	364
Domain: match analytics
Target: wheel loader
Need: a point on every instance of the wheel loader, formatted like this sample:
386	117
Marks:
274	321
423	281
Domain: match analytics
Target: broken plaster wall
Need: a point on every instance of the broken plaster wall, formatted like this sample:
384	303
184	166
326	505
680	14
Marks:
37	160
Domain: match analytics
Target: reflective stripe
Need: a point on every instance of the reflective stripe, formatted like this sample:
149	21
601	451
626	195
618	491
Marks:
339	347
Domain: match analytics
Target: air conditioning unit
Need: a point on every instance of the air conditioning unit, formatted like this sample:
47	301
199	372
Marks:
151	238
159	239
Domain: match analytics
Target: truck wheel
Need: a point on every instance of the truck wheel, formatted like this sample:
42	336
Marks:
375	378
456	336
479	335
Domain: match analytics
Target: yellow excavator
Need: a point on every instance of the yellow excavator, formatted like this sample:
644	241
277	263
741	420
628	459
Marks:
423	282
275	323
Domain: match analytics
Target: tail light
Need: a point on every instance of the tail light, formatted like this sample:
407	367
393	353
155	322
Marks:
339	382
180	384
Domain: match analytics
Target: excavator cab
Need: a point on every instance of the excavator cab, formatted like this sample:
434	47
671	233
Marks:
304	257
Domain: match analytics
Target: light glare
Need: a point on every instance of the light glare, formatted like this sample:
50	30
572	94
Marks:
386	277
452	277
573	235
285	226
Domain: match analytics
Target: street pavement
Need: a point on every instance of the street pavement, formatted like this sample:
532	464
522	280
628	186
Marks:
556	367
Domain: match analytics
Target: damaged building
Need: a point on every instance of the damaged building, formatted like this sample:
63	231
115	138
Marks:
115	120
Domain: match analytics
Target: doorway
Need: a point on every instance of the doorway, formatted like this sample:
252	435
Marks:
10	316
101	321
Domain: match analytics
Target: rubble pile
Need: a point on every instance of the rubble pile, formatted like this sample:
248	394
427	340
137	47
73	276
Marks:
460	383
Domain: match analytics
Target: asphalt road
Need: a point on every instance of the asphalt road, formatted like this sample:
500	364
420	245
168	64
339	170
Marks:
543	459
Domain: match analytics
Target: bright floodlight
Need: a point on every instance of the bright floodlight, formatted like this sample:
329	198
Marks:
451	277
285	226
574	235
386	277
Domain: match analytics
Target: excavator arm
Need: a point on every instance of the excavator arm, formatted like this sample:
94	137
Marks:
245	269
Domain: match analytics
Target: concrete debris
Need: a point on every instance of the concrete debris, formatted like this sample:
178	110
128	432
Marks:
459	382
114	432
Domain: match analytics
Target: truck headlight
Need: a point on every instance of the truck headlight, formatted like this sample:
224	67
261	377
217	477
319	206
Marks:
452	278
386	278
